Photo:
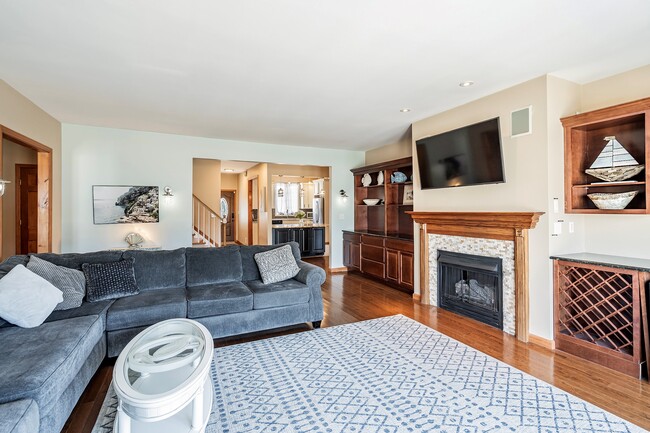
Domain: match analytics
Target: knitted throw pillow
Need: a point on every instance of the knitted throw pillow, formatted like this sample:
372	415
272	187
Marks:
110	280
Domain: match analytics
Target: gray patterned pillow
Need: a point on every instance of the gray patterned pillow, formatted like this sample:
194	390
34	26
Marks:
110	280
70	281
277	265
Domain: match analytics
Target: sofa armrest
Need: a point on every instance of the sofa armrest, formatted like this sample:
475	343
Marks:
313	277
309	274
19	416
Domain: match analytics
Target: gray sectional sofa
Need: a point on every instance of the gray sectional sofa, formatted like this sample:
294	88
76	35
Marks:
44	370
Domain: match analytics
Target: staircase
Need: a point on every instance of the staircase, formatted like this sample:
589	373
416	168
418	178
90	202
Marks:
206	224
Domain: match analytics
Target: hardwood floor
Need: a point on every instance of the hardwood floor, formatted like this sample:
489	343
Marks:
351	298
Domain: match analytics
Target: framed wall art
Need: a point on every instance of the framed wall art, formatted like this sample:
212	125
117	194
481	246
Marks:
408	194
125	204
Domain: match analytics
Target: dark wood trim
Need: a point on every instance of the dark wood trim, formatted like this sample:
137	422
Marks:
616	111
250	212
18	201
509	226
23	140
425	295
644	277
382	166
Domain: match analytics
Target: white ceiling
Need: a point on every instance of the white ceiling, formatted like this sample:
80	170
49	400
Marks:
329	73
236	166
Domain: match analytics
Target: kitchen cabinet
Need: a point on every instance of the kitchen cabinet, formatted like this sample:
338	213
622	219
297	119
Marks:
310	239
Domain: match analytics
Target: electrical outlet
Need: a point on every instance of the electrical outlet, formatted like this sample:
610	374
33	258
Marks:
572	227
341	216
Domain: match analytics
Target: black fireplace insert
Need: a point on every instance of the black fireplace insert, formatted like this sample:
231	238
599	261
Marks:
472	286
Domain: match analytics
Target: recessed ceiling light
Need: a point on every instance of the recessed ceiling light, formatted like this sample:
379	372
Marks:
404	110
229	170
466	83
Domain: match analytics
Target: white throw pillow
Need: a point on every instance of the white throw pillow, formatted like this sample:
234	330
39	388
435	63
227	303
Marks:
277	265
27	299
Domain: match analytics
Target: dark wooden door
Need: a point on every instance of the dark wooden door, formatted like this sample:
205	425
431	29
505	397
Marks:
27	209
229	198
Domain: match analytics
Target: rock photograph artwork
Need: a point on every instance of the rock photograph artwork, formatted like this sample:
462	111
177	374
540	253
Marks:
125	204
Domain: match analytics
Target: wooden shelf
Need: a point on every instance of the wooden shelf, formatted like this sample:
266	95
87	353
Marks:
584	140
388	220
609	184
371	186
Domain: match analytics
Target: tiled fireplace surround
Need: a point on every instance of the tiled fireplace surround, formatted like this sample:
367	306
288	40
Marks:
491	234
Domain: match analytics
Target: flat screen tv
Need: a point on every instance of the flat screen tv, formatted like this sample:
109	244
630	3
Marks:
466	156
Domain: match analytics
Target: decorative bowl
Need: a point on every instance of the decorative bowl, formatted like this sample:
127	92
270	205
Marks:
371	201
615	174
619	200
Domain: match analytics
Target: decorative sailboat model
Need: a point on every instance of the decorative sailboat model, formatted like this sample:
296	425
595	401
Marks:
614	163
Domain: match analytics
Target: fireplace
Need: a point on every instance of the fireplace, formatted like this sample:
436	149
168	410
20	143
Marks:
471	285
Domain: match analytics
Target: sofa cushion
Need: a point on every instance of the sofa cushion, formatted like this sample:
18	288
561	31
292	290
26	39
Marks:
146	308
213	265
11	262
277	265
19	417
99	308
158	269
75	260
110	280
70	281
249	265
218	299
27	299
282	294
50	357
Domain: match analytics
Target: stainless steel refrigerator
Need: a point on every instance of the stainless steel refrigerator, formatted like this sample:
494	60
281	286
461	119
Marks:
318	209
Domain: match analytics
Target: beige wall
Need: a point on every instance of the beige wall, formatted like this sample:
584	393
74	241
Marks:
400	149
526	165
12	154
261	229
206	186
534	168
229	181
21	115
625	87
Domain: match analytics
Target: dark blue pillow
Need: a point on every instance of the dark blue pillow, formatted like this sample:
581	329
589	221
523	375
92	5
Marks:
110	280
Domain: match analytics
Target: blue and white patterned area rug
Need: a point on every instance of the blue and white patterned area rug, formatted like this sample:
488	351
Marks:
388	375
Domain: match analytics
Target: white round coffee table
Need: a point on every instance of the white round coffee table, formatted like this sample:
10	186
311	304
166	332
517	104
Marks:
162	379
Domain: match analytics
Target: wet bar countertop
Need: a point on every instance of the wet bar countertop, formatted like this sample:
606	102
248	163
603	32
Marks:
607	260
296	226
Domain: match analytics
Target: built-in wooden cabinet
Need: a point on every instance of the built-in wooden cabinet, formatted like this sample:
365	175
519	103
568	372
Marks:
381	245
389	217
600	309
584	136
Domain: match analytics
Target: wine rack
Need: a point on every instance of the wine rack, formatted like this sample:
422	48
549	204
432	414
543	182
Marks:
598	314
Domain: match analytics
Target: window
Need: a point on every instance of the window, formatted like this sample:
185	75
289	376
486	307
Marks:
287	203
224	208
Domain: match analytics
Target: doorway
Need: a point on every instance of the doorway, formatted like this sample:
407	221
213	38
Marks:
43	210
228	215
26	208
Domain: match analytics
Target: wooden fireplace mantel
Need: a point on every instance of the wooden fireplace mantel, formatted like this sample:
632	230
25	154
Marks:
508	226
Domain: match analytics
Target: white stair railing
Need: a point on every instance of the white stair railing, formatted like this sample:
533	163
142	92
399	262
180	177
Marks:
205	224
